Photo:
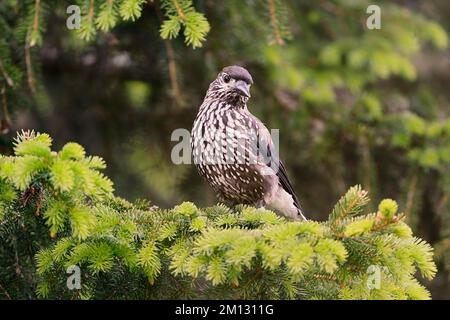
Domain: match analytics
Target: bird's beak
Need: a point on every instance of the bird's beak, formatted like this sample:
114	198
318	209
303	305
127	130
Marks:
243	88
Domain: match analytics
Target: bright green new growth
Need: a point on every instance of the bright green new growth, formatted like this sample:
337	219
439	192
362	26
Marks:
388	208
58	205
181	13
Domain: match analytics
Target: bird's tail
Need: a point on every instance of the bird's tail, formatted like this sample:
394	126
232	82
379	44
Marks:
301	215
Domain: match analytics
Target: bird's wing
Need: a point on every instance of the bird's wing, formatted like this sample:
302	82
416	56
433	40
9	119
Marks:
286	184
266	139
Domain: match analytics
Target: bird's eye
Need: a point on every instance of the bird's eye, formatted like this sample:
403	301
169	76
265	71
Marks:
226	78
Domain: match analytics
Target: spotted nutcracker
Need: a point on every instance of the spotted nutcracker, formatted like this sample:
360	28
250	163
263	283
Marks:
234	151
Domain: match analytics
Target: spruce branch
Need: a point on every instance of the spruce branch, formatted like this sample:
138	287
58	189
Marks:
108	16
352	203
131	9
273	19
241	252
8	79
182	13
87	30
34	36
173	73
278	20
29	67
179	10
5	121
167	33
7	295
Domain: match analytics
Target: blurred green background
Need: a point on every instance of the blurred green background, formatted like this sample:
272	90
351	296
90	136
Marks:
353	105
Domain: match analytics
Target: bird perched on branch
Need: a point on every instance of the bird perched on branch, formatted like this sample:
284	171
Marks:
235	152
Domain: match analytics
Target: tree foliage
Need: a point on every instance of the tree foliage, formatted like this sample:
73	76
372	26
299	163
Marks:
357	105
58	210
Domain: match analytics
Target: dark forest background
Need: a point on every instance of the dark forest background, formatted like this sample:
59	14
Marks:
353	105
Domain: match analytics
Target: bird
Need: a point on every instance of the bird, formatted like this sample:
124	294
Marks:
234	151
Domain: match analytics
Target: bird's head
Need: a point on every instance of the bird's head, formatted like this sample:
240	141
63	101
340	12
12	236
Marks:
232	84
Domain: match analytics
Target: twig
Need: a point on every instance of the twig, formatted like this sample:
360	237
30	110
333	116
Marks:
8	79
351	206
179	10
38	204
366	158
171	62
36	16
173	72
381	223
91	9
30	75
258	273
5	123
274	22
5	292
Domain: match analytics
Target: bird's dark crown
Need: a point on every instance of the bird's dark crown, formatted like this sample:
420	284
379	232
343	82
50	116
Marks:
238	73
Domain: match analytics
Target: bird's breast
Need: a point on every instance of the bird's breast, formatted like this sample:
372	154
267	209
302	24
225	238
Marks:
223	138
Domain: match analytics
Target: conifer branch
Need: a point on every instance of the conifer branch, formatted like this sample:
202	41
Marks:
240	251
275	25
179	10
181	13
8	79
172	66
87	30
5	122
5	292
350	204
173	73
91	9
35	28
29	67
